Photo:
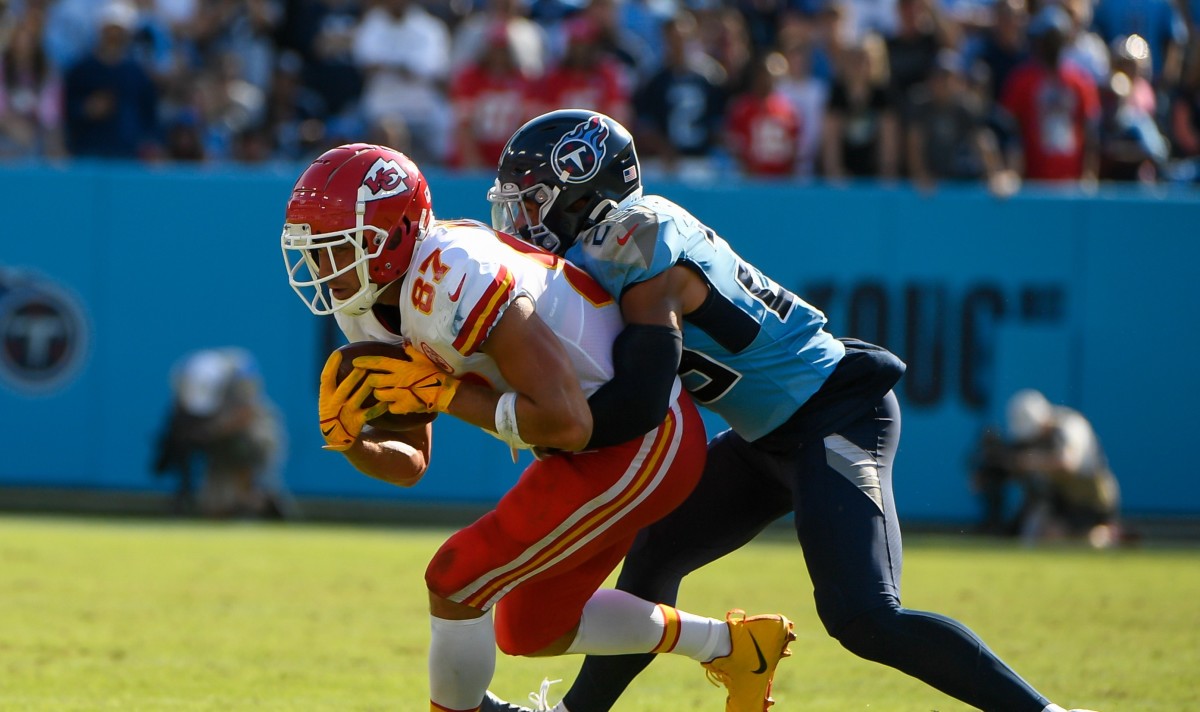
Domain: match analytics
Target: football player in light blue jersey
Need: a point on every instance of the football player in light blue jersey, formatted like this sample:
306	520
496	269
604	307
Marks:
814	424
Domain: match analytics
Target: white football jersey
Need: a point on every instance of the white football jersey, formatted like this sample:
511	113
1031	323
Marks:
463	276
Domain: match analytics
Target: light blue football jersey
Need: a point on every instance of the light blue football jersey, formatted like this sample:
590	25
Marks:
754	352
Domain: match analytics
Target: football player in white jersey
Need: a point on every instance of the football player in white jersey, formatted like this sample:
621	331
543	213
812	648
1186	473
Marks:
514	340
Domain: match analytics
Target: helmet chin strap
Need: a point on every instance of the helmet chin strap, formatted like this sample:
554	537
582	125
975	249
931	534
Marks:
359	304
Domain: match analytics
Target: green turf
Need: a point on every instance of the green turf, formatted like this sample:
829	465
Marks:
135	615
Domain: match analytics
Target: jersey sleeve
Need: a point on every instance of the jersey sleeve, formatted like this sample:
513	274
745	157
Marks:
477	291
629	247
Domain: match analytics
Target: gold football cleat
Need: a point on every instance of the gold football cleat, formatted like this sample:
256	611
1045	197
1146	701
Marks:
758	644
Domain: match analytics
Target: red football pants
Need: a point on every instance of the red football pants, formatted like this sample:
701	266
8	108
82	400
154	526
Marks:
560	531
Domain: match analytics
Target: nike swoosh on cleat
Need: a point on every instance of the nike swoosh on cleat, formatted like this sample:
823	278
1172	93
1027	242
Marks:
327	432
762	662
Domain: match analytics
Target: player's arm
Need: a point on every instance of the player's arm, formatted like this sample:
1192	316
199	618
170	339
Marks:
400	458
550	407
397	457
645	356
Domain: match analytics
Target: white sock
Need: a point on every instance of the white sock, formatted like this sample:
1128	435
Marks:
616	623
1053	708
462	660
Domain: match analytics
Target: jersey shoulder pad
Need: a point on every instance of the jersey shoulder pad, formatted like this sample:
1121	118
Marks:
634	236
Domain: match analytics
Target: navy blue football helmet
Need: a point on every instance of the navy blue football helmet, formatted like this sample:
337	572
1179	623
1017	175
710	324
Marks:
560	174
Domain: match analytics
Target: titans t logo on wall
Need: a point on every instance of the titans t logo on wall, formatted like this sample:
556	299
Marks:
43	333
578	154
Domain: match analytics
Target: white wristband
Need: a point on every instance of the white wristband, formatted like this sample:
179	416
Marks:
506	421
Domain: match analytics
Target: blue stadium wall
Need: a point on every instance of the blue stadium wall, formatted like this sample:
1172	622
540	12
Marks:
108	274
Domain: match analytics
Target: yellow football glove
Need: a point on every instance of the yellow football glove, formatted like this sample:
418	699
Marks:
416	386
341	405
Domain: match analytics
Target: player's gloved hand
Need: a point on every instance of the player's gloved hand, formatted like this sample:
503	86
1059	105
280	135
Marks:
416	386
341	405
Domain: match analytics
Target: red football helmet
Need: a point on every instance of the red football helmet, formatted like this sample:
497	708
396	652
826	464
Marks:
370	197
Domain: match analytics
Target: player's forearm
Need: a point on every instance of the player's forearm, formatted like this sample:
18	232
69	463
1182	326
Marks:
398	458
562	422
636	399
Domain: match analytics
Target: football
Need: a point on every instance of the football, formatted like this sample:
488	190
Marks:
387	421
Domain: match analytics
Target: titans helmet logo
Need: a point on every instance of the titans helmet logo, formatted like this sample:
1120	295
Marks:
577	155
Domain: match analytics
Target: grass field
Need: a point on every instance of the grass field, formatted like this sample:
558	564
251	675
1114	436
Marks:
151	615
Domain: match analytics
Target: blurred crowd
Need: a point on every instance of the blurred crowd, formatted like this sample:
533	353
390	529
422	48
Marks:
931	91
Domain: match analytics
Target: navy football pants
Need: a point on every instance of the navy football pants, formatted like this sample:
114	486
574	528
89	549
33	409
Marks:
847	527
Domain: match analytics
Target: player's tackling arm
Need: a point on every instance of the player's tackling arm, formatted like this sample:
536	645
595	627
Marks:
551	408
645	356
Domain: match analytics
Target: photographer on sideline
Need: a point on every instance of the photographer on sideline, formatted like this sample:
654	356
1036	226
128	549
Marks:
1057	458
220	416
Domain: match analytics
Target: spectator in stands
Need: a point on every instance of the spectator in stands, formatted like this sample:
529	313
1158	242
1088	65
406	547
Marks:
862	131
529	40
763	128
1131	146
725	38
1159	22
243	29
973	17
31	101
549	13
322	33
644	20
297	121
586	78
229	104
1055	105
1058	459
1085	48
680	111
869	17
922	31
807	92
1185	113
405	54
221	417
631	54
1004	46
948	138
999	122
70	31
763	20
183	140
490	98
111	100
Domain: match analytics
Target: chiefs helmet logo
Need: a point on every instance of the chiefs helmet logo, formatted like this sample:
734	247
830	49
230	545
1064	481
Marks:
578	154
383	179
